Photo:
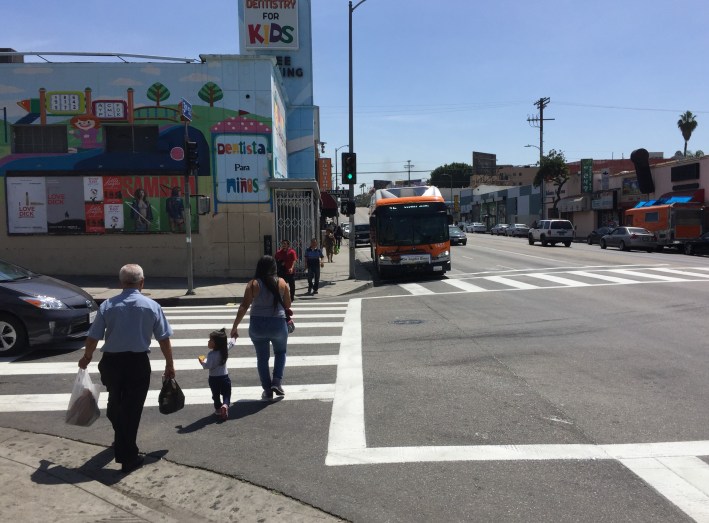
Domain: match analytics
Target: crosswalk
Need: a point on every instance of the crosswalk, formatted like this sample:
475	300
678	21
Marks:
556	278
317	337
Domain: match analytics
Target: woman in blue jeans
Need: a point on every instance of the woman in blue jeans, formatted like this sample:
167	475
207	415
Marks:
269	298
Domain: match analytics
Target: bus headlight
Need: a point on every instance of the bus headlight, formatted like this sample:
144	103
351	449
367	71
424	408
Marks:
444	256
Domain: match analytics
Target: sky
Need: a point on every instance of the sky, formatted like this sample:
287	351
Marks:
435	80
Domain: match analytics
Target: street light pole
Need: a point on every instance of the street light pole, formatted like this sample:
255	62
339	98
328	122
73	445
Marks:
351	137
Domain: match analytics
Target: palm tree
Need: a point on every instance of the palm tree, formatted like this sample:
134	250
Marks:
362	186
687	123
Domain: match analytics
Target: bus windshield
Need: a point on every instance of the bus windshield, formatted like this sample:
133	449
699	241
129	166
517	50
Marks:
412	224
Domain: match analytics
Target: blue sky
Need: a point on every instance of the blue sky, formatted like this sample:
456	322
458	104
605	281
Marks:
435	80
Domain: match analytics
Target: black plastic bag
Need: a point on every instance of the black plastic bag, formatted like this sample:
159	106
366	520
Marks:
171	398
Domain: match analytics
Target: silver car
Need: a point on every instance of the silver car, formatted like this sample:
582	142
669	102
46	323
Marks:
517	229
627	238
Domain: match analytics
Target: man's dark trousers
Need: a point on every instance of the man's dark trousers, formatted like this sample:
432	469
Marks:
126	376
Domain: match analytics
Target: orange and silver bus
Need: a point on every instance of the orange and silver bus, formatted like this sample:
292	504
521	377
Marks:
672	223
409	231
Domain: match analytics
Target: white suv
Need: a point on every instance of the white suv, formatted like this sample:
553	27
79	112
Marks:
552	231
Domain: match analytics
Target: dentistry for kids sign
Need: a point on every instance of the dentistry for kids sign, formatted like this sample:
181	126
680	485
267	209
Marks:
271	24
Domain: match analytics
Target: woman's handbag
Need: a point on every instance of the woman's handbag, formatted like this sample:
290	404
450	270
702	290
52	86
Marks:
171	399
83	405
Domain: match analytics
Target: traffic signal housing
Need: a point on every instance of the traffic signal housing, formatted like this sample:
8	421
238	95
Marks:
349	168
348	207
191	155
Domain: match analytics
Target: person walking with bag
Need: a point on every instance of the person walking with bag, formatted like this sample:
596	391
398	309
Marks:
219	381
314	261
268	297
129	321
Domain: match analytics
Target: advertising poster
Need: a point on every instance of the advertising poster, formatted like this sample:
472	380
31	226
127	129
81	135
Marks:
113	217
26	205
94	218
112	192
65	205
93	189
271	25
242	168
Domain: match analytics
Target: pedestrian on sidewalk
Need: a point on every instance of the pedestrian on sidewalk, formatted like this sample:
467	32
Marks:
314	261
286	258
329	244
128	320
338	236
268	297
219	381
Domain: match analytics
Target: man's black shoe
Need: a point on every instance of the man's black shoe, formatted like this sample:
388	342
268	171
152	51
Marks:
127	468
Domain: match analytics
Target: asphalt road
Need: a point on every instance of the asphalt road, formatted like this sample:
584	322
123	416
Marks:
529	384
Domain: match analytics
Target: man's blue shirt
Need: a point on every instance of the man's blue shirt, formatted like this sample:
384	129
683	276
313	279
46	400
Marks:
129	321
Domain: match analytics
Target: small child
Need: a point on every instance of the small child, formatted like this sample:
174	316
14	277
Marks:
219	380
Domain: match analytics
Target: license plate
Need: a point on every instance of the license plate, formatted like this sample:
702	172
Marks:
561	233
92	316
415	258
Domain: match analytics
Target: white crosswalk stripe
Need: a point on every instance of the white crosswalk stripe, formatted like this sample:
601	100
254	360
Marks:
569	277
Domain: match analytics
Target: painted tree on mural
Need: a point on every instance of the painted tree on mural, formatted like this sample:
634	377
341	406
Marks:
210	93
158	93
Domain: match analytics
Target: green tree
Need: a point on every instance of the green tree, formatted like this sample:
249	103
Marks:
210	93
158	93
461	173
553	169
687	123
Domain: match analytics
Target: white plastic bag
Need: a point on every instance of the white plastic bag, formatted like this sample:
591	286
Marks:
83	405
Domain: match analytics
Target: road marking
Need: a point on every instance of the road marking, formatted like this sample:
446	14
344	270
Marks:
558	279
604	277
684	481
71	367
463	285
415	289
298	304
646	275
246	342
300	325
201	396
683	273
347	430
231	317
511	283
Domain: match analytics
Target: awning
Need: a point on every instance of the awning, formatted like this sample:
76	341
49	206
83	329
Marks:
328	205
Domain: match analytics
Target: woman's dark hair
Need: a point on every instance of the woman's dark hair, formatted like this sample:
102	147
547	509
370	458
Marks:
266	271
219	339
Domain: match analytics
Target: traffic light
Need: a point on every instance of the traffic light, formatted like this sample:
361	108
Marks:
343	207
351	206
349	168
191	155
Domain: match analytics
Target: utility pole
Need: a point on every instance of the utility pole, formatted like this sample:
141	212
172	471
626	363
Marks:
538	121
408	168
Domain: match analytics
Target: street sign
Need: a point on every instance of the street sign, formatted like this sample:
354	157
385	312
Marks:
186	110
339	192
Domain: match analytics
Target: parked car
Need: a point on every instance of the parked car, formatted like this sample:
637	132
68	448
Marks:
596	235
36	309
498	229
517	229
627	238
551	231
362	234
457	237
476	227
698	245
345	229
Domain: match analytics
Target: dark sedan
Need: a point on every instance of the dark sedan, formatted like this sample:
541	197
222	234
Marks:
36	309
596	235
457	236
697	245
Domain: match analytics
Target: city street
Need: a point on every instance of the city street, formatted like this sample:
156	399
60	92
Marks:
529	384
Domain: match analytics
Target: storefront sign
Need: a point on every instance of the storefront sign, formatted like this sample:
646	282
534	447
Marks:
271	24
587	175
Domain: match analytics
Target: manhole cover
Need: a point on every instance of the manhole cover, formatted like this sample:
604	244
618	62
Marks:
406	322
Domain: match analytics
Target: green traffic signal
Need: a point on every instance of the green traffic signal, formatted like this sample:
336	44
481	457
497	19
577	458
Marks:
349	168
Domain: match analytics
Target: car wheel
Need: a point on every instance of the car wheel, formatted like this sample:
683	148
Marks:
622	246
530	239
650	250
688	250
567	244
544	241
589	241
13	338
602	243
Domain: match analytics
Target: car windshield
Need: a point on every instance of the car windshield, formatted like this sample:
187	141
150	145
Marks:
519	225
10	272
413	230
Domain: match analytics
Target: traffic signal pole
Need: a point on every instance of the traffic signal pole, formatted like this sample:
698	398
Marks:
191	164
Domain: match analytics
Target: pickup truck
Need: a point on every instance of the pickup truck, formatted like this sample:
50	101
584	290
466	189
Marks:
551	232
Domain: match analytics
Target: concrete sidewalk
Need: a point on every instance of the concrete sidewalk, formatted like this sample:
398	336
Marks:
48	478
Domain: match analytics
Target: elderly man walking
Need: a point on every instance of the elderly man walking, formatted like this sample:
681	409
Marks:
129	321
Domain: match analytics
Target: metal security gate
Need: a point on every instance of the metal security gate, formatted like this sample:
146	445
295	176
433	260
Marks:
295	221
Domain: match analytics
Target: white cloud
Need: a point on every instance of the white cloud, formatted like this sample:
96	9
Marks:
199	78
9	89
151	69
33	70
126	82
